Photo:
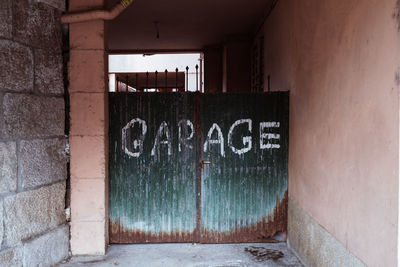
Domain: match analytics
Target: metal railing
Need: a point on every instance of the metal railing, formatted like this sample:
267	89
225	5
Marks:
166	81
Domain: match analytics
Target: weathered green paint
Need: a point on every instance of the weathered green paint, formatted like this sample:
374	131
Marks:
239	192
167	196
152	198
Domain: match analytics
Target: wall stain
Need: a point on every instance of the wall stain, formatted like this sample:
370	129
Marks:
397	77
396	14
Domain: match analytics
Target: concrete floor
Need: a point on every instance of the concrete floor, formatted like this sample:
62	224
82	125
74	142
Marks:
196	255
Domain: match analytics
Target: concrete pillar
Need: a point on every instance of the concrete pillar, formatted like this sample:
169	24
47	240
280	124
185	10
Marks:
88	133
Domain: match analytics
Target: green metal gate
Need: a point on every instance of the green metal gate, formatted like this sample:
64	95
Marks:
190	167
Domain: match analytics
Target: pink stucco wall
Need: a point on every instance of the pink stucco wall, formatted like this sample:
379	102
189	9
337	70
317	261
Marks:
340	59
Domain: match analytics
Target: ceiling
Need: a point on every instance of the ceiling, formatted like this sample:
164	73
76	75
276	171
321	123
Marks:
184	25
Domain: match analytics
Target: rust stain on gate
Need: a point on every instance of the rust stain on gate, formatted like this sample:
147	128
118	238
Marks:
126	236
261	232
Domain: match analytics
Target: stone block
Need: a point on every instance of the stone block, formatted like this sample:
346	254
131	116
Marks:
88	157
32	116
8	167
30	213
88	198
59	4
87	71
88	238
47	249
87	35
5	19
48	72
16	67
11	257
37	24
42	162
88	114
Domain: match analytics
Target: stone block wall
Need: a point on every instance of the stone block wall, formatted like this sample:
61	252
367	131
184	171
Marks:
33	161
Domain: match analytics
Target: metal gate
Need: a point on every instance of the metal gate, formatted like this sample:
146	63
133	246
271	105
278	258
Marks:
191	167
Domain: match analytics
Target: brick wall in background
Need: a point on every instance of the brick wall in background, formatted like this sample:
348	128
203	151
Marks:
33	228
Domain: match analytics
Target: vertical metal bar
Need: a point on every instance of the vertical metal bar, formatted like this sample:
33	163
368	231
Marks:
187	79
166	79
137	82
197	126
176	79
125	121
201	72
117	89
156	81
197	78
147	81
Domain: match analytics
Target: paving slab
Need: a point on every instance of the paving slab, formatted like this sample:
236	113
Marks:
191	255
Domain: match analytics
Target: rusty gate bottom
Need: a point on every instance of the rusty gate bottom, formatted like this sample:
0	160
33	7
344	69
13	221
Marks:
263	231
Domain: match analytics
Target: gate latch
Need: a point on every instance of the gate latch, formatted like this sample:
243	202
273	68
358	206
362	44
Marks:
204	162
